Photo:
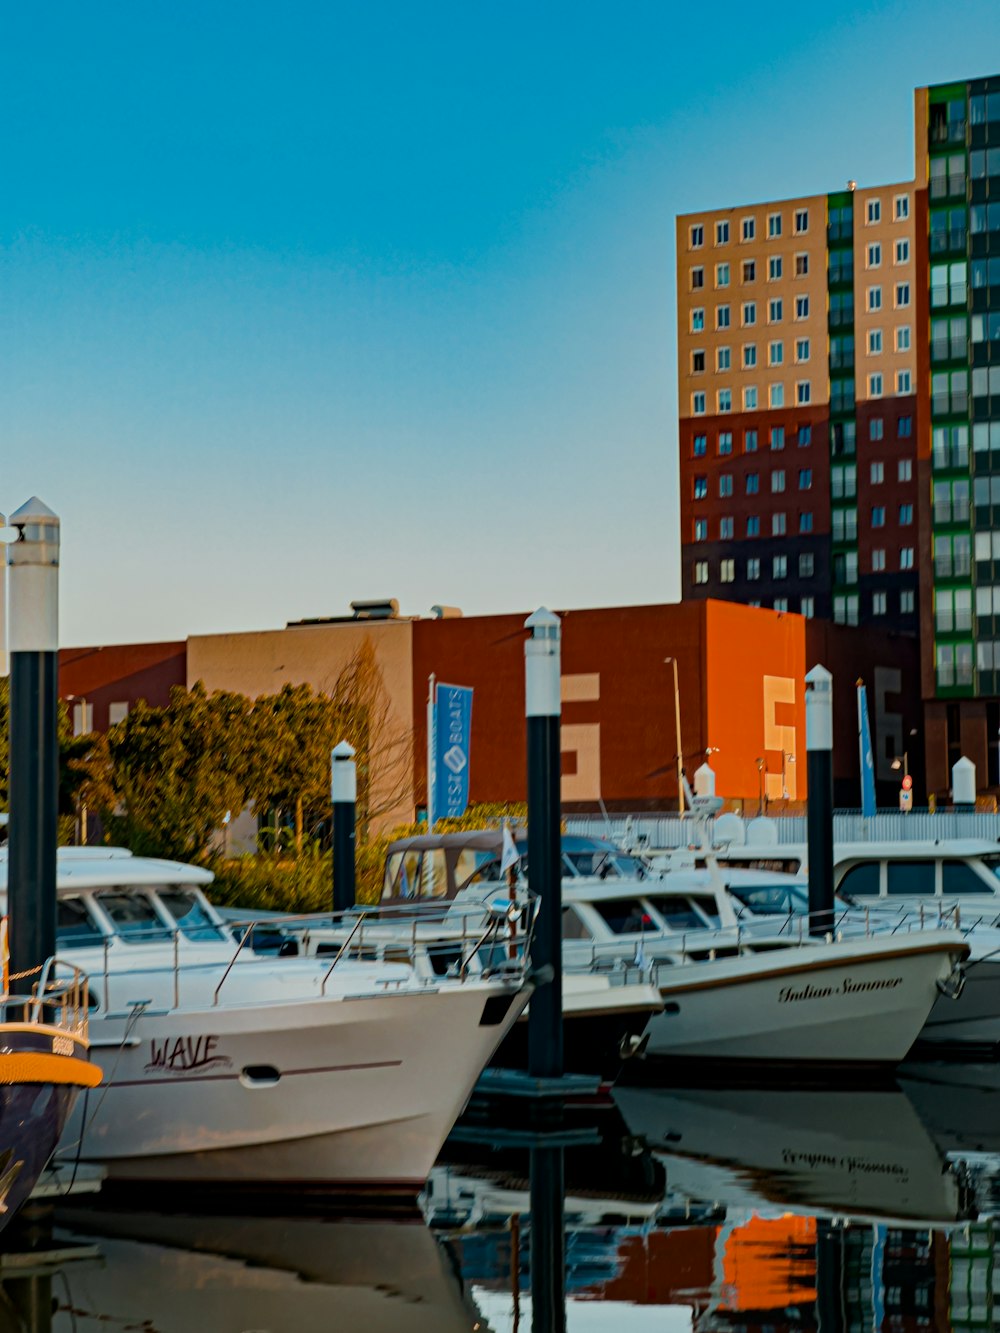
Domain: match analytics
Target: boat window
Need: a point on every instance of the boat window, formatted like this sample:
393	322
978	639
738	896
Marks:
771	899
188	910
604	863
134	916
958	877
572	926
678	912
771	865
625	916
910	878
861	881
991	862
75	927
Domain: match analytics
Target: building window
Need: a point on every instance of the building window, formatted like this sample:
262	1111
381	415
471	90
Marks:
722	317
878	560
749	229
877	474
807	607
874	259
753	483
802	307
777	481
902	203
701	529
874	298
725	485
750	398
781	604
776	395
697	278
878	516
874	342
722	358
774	268
722	233
878	603
777	437
778	527
876	426
807	565
779	566
902	252
805	479
727	571
749	356
906	601
725	529
725	397
803	393
904	381
905	515
906	557
722	275
753	525
774	311
700	488
775	353
874	212
805	436
902	294
698	404
749	270
801	221
753	569
773	225
697	236
801	349
750	442
725	442
701	571
697	319
700	446
749	313
904	428
904	470
903	338
875	385
801	266
806	521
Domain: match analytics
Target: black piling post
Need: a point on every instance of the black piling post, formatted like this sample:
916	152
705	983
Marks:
34	755
344	791
819	820
548	1240
542	708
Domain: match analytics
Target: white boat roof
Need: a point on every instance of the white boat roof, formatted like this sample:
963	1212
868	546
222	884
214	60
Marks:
113	867
898	849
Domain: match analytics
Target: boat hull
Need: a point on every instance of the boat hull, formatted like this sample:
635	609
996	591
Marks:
841	1004
973	1019
348	1095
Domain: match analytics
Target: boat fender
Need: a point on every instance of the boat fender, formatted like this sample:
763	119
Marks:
541	976
953	984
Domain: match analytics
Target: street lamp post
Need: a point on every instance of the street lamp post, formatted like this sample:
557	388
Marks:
786	759
677	724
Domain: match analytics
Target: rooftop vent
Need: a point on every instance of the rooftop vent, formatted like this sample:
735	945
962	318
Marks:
446	612
381	608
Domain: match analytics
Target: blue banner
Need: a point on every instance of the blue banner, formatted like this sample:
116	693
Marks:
452	739
867	755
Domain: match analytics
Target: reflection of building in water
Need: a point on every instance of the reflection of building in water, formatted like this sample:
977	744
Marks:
975	1276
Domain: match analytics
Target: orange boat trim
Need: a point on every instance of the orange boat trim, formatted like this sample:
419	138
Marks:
43	1067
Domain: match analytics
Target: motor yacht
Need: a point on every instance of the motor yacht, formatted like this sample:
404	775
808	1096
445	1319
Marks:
226	1066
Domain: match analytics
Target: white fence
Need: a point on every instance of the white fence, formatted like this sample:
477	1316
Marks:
660	831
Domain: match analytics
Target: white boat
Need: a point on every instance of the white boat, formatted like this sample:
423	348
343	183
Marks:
224	1066
756	996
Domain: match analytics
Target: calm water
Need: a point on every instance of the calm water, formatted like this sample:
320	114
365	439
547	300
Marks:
678	1210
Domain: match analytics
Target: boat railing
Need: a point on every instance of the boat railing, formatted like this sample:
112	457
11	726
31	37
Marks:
58	1001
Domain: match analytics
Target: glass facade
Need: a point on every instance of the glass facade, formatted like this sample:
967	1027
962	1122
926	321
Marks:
843	421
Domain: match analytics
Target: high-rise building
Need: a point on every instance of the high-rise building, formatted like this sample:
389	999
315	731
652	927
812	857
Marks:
839	402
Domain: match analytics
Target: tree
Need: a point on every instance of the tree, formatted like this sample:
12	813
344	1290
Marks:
170	775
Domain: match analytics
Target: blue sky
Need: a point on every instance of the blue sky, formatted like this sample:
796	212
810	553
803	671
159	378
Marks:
306	303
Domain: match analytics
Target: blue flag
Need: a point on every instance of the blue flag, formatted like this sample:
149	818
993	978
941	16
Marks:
452	739
867	755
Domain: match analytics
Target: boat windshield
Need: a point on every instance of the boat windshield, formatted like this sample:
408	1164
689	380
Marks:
75	927
681	912
188	910
604	863
771	899
134	916
625	916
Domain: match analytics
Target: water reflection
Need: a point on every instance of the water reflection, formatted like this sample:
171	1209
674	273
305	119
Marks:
683	1210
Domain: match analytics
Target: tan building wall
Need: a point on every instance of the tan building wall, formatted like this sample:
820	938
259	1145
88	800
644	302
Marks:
752	251
885	337
261	662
